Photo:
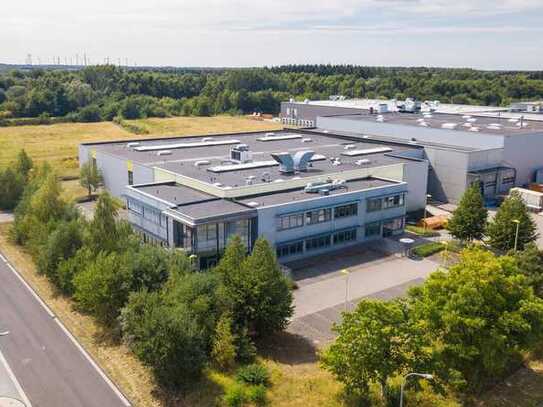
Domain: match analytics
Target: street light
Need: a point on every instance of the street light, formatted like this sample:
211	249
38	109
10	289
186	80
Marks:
346	272
516	234
428	196
423	375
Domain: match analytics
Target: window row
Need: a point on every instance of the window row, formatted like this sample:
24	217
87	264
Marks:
148	213
393	201
313	217
316	243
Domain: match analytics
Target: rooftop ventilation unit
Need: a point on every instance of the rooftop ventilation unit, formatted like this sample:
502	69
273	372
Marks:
472	120
318	157
466	116
132	144
218	184
382	108
278	180
187	145
302	160
450	126
253	204
350	147
272	137
285	160
164	152
353	153
512	120
201	163
474	129
307	140
240	153
249	180
329	184
207	139
363	161
423	124
467	125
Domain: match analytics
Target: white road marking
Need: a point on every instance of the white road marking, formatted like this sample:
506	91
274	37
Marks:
3	258
16	383
93	363
113	387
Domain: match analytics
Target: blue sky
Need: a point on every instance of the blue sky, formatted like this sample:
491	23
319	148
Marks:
498	34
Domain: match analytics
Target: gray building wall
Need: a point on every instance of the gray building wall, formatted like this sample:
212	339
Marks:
115	170
267	217
443	136
303	111
525	153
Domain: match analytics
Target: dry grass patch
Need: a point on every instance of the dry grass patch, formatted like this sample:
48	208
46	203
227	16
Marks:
58	143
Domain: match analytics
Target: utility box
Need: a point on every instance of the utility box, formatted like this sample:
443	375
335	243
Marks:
533	199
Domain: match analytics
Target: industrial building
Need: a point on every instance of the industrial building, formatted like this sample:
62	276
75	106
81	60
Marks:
306	192
494	147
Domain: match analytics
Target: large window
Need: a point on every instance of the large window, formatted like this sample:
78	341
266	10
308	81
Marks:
130	178
345	236
207	237
290	221
134	206
318	216
317	243
346	211
391	227
374	205
393	201
290	249
373	229
239	228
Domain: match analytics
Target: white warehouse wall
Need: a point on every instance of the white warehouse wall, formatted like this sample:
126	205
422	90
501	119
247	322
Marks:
525	153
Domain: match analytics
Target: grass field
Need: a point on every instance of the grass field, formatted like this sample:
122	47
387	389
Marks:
58	143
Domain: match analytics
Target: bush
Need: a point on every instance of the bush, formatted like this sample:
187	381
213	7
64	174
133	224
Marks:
89	114
235	396
427	249
253	374
257	395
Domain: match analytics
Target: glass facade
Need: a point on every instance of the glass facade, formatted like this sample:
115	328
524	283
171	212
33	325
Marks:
346	211
388	202
290	221
290	249
318	216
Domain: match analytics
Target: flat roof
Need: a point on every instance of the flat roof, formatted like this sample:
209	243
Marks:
365	104
298	194
173	193
495	125
208	211
184	160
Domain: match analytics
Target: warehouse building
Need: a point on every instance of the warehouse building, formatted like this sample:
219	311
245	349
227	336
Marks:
494	147
306	192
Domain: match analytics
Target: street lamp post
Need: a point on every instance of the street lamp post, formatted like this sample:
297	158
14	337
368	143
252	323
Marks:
423	375
428	196
346	272
516	233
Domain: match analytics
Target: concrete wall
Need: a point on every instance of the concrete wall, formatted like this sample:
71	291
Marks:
525	153
301	111
115	169
443	136
447	177
267	217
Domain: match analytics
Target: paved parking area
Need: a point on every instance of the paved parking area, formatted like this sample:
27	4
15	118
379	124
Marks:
320	298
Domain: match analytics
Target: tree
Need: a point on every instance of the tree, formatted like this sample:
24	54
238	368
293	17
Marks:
469	219
102	288
61	245
373	344
165	337
476	318
103	231
224	343
90	177
260	294
530	263
23	165
502	230
12	187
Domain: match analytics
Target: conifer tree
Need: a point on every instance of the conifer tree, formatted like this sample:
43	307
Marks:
502	230
469	219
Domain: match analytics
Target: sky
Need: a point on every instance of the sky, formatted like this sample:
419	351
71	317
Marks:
486	34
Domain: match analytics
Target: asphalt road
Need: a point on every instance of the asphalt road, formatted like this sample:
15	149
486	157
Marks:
51	368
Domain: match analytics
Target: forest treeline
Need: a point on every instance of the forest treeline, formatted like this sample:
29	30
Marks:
105	92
